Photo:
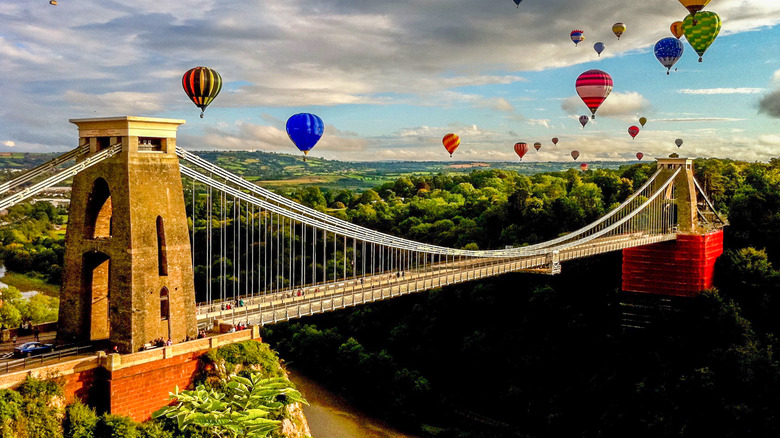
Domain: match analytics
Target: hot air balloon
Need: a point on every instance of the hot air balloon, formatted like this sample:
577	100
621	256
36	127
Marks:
584	120
694	6
577	36
633	131
642	121
700	35
594	86
678	142
599	47
618	29
677	29
305	130
202	85
555	140
521	149
639	156
517	2
575	154
451	142
668	51
53	2
537	145
584	167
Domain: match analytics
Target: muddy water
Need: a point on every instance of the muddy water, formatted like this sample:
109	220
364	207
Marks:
330	416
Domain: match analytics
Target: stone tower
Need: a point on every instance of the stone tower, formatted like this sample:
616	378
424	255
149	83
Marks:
128	274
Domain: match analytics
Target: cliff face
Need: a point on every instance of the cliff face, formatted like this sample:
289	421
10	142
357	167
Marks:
294	424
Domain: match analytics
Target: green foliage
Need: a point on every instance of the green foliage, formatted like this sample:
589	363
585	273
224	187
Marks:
247	353
116	426
80	421
35	388
10	410
242	410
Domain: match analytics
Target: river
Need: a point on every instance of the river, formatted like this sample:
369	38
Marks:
28	294
329	415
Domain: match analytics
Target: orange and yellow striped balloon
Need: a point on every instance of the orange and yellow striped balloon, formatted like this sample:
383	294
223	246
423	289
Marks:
202	85
451	142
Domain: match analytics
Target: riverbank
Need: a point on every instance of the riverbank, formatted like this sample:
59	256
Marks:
330	415
27	284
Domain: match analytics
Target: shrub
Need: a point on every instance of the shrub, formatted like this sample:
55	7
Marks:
80	421
10	402
247	353
33	388
116	426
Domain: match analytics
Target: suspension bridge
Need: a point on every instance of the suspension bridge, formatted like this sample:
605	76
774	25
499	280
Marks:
260	258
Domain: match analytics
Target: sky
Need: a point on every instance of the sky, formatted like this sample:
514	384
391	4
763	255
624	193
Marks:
391	78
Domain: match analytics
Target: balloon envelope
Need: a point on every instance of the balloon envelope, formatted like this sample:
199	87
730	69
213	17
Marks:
633	131
678	142
694	6
575	154
618	29
305	130
668	51
642	121
577	36
703	33
584	167
593	86
517	2
202	85
537	145
521	149
639	156
599	47
451	142
584	120
555	140
677	29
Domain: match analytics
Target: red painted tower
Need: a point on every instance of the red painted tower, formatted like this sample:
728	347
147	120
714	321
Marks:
685	267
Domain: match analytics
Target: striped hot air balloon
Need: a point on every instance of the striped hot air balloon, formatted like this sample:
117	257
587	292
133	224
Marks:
521	149
618	29
577	36
593	86
451	142
202	85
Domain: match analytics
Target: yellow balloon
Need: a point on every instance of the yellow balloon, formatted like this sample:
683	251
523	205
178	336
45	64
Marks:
642	121
618	29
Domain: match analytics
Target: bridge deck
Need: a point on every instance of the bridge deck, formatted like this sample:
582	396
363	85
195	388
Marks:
286	304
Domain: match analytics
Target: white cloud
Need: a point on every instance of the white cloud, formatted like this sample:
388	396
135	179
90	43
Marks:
721	91
616	105
9	143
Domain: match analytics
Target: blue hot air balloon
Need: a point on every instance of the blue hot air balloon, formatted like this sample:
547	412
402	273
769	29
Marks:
517	2
305	131
668	51
599	47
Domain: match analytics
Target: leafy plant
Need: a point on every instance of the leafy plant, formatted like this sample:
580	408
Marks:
242	410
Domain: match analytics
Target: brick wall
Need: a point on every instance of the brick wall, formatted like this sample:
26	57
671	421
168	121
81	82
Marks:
684	267
137	391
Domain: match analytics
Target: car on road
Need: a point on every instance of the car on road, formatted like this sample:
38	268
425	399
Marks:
32	349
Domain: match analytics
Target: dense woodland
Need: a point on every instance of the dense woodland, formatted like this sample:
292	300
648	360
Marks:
528	355
525	355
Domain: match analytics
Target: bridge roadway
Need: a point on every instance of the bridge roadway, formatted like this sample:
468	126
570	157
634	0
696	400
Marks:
286	304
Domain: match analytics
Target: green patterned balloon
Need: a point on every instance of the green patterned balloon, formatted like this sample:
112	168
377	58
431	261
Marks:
703	33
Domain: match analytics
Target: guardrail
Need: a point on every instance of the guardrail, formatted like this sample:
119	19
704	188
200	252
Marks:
20	364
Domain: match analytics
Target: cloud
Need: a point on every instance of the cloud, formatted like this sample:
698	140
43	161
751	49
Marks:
770	104
700	119
9	143
721	91
616	105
